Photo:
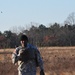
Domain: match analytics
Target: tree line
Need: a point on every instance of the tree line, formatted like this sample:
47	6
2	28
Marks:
54	35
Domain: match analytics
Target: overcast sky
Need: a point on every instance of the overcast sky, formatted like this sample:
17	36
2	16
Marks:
23	12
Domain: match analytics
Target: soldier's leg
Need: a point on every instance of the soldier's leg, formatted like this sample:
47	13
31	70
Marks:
31	73
19	73
22	73
26	73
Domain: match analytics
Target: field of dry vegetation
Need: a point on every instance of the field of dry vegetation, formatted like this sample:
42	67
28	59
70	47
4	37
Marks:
57	61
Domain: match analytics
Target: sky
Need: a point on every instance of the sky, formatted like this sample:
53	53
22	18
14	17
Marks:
24	13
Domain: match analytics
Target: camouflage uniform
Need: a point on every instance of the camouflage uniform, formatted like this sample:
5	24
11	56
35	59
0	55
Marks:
29	67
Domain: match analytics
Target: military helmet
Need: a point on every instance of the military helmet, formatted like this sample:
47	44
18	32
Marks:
23	38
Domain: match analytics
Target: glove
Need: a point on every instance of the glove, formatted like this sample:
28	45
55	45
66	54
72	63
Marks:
42	72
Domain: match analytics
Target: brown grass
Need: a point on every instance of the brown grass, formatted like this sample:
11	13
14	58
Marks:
57	61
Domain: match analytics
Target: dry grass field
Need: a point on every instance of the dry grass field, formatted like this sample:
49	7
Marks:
57	61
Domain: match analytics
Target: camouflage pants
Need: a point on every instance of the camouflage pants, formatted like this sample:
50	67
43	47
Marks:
27	68
26	73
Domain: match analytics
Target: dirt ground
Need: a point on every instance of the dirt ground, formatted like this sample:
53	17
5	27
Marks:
57	61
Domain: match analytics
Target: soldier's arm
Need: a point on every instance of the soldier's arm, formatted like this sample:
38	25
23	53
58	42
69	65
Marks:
40	63
15	56
39	59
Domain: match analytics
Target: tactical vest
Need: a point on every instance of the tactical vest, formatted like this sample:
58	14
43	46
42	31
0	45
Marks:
27	54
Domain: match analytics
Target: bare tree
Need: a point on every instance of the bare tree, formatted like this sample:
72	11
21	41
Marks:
17	30
70	19
14	29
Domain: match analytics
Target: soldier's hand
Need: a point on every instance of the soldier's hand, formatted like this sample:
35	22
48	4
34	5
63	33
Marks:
20	52
42	72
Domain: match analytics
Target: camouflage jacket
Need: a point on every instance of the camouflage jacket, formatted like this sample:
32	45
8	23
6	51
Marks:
29	66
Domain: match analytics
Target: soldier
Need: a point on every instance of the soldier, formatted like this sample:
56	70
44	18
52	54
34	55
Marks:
28	58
